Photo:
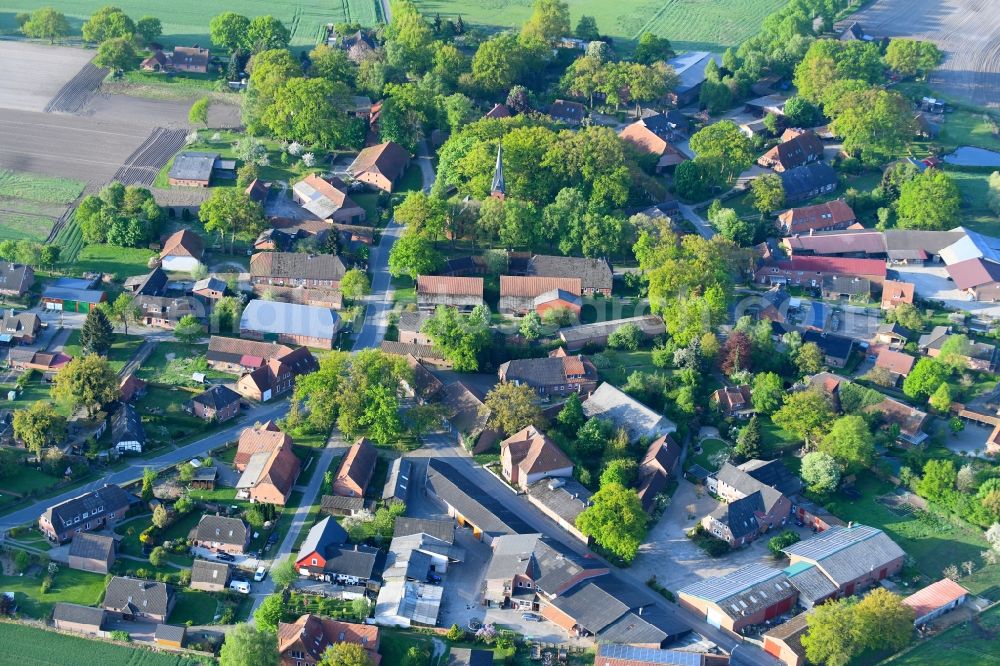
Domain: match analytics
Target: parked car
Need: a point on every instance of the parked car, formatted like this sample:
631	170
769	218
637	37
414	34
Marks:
433	578
530	617
240	586
225	557
259	574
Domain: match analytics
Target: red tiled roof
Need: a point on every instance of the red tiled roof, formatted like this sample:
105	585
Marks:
359	463
530	287
453	286
183	243
895	362
935	596
897	292
839	265
387	158
535	453
263	437
974	272
806	218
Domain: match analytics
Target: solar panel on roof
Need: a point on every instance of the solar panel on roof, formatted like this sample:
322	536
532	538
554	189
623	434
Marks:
650	655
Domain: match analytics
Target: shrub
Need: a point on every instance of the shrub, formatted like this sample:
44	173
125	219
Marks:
119	635
783	540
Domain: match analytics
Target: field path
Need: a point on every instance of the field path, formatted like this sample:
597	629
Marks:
967	31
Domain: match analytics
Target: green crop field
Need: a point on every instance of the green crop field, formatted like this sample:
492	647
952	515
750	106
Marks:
186	21
970	643
690	25
31	204
20	644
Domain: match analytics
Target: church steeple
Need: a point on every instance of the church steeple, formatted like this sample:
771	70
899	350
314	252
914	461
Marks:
499	187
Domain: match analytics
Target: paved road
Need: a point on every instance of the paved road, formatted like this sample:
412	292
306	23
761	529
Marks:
701	225
379	302
335	446
29	514
447	447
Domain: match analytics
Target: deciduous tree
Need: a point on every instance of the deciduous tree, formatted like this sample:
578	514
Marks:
768	193
148	29
355	284
46	23
806	414
766	392
925	378
345	654
38	426
198	114
931	201
549	21
107	23
850	442
910	57
86	381
616	520
232	212
413	255
313	111
265	33
116	54
832	635
510	407
883	621
247	645
820	472
228	30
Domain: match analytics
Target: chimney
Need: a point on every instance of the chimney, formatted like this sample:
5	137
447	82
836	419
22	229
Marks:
850	524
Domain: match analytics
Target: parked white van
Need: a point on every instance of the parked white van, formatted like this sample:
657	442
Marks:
241	586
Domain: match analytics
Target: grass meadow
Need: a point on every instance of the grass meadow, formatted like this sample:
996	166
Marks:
31	204
185	22
21	644
689	24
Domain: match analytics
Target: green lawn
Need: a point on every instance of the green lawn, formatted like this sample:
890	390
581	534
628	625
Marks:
710	450
967	128
173	363
689	24
182	82
122	349
78	587
194	606
185	22
774	440
969	644
615	365
22	644
394	643
932	541
164	417
29	479
412	180
122	262
974	186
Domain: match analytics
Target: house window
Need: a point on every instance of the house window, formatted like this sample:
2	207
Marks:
315	561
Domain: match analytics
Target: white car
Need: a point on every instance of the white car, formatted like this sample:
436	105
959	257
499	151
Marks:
259	574
240	586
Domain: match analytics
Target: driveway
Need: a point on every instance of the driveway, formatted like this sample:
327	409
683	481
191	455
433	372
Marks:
379	302
933	283
335	446
675	560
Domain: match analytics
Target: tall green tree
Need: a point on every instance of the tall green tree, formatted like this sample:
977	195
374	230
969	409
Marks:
651	48
38	426
86	381
409	39
910	57
768	193
355	284
549	21
832	635
413	255
268	614
724	141
188	329
925	378
616	521
510	407
460	338
265	33
117	54
96	334
586	29
767	391
313	111
850	442
108	22
198	114
874	123
232	212
807	414
931	201
228	30
148	29
46	23
124	311
345	654
820	472
248	645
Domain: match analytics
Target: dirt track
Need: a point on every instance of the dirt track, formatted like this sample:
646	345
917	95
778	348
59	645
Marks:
967	31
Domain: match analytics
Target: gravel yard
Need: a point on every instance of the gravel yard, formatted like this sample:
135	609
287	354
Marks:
967	31
33	73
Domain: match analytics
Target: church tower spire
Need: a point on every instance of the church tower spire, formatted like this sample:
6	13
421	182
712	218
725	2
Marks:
499	188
